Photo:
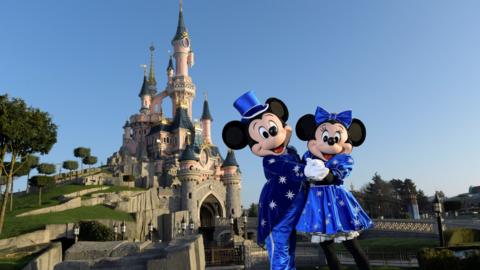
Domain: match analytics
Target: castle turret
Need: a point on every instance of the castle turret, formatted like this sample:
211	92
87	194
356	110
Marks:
206	123
189	177
145	94
170	69
127	133
231	178
182	47
181	89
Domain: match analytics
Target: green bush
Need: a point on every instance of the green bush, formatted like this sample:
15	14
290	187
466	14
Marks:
444	259
95	231
460	236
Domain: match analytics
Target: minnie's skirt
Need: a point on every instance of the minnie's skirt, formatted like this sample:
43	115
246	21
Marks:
332	213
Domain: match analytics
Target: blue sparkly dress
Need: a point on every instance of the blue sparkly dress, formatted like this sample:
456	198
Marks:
331	212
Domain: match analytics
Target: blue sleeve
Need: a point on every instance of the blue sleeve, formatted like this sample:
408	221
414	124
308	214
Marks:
283	166
341	166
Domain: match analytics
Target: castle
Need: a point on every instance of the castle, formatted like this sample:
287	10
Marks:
175	155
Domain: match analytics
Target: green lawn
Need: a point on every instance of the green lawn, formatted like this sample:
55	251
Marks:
27	202
19	225
400	243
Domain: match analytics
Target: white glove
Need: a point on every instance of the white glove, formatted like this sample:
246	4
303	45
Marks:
315	169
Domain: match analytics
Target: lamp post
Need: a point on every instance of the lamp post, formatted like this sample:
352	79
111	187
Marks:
245	221
191	225
115	231
232	221
123	229
438	209
184	226
150	230
76	232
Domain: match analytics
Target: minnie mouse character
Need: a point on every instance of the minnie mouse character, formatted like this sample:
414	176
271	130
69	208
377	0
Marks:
331	212
263	127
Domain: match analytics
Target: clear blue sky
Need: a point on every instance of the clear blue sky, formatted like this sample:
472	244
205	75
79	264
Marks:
408	69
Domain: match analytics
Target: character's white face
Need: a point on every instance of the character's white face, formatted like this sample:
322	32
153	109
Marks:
330	140
271	136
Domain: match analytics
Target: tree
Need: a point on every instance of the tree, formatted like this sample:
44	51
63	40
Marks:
70	165
253	210
33	162
23	131
21	169
90	160
81	153
378	196
41	181
46	168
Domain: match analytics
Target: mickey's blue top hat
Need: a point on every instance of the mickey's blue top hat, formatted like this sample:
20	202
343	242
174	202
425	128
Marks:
249	106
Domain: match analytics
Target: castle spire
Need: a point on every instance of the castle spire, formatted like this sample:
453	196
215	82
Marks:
206	110
181	29
230	160
144	90
151	75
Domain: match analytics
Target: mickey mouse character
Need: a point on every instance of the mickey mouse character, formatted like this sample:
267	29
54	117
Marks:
331	212
264	129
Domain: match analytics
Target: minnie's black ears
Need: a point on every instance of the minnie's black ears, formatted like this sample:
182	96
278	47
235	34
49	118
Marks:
277	107
234	136
357	132
306	127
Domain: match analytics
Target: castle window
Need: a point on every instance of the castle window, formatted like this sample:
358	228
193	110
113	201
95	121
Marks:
168	139
189	195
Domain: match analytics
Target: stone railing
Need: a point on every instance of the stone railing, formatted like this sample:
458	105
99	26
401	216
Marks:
399	225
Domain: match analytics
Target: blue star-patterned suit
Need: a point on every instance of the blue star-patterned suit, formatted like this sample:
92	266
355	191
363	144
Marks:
280	206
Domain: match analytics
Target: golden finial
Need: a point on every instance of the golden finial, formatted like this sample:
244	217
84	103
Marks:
151	76
181	5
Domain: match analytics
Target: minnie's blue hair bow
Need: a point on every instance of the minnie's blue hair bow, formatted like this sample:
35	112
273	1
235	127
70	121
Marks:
345	118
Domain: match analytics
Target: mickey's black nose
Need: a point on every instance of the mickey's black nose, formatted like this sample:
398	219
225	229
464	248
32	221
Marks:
331	141
273	131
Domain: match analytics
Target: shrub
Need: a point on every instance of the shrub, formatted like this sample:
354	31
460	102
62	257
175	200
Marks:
95	231
461	235
445	259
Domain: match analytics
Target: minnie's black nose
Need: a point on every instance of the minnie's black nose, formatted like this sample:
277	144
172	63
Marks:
331	141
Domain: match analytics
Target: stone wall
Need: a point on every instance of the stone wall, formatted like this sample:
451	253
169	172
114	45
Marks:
73	203
141	201
83	192
48	259
52	231
186	254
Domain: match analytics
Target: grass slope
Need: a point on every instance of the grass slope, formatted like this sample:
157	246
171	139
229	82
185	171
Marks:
18	225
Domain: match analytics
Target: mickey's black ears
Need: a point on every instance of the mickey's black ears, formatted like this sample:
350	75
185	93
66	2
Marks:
357	132
234	136
306	127
277	107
